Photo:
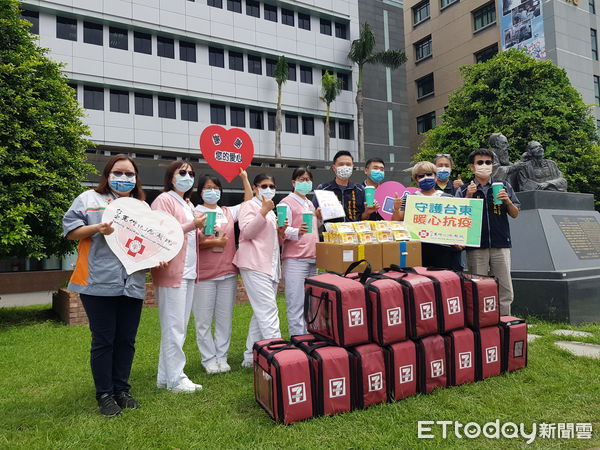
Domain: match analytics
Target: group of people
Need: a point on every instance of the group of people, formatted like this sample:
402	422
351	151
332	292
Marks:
202	278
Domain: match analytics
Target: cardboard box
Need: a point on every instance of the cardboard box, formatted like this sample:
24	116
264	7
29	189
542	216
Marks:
337	257
391	253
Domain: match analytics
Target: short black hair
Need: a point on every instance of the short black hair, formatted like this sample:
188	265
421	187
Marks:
262	177
205	179
342	153
372	160
480	152
301	171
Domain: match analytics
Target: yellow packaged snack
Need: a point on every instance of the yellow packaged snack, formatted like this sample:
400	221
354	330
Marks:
342	227
384	236
367	237
396	226
381	225
348	238
361	227
401	235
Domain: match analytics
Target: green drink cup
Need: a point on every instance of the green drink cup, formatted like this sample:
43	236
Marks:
496	188
307	218
281	215
369	195
211	220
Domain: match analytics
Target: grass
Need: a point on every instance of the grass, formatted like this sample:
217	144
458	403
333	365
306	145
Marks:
47	397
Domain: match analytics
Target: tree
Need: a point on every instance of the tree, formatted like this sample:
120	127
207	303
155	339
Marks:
281	76
525	100
42	143
361	53
331	86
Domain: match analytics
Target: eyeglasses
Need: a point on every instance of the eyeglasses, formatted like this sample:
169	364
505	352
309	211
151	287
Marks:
444	155
267	186
183	173
118	173
423	175
481	162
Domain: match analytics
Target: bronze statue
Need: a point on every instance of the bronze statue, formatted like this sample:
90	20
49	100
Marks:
503	168
536	173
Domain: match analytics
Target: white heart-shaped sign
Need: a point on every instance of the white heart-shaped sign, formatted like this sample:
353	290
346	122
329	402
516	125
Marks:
142	237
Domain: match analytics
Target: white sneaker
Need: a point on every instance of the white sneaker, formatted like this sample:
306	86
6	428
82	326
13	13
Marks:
247	364
224	367
212	368
186	386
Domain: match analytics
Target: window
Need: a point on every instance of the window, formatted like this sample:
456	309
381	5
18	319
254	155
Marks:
308	126
420	12
189	110
166	47
594	36
341	30
287	17
93	98
484	16
143	105
34	18
142	43
444	3
216	57
118	38
270	12
592	6
271	119
255	64
291	72
236	61
291	124
425	86
332	128
346	130
217	114
119	101
256	119
326	27
187	51
270	67
215	3
303	21
92	33
597	89
423	49
345	77
426	122
252	8
486	53
238	117
166	107
66	28
306	74
234	5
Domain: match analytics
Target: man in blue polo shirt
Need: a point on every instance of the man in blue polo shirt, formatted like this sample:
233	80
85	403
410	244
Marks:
493	256
350	195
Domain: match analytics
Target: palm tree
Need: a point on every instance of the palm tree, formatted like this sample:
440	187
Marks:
331	86
281	76
361	53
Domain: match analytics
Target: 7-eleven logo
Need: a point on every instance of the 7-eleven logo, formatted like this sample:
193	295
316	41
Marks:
426	310
491	355
406	374
337	387
465	360
437	368
355	317
489	304
375	381
453	305
296	393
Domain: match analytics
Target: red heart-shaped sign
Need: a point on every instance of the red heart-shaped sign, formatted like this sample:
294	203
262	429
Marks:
226	151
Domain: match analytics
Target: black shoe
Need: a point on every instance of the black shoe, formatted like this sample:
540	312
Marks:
124	400
107	406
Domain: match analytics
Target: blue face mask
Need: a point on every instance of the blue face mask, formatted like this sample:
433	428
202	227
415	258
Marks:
211	196
183	184
121	186
377	175
426	184
303	187
443	173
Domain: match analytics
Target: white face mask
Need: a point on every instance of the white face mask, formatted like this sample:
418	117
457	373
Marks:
343	172
483	171
267	193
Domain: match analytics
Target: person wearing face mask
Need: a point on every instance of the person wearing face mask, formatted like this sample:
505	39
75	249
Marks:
111	298
375	174
443	163
299	249
174	283
350	195
433	255
216	282
258	260
493	255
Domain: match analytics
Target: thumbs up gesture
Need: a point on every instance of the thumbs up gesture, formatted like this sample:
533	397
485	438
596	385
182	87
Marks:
471	189
397	202
267	205
458	182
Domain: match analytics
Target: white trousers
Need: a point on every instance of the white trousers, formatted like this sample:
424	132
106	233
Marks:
174	308
295	271
262	293
214	300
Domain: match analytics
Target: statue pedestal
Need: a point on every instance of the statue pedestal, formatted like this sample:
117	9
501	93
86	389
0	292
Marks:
556	257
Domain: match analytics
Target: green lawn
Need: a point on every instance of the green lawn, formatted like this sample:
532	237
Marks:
47	398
